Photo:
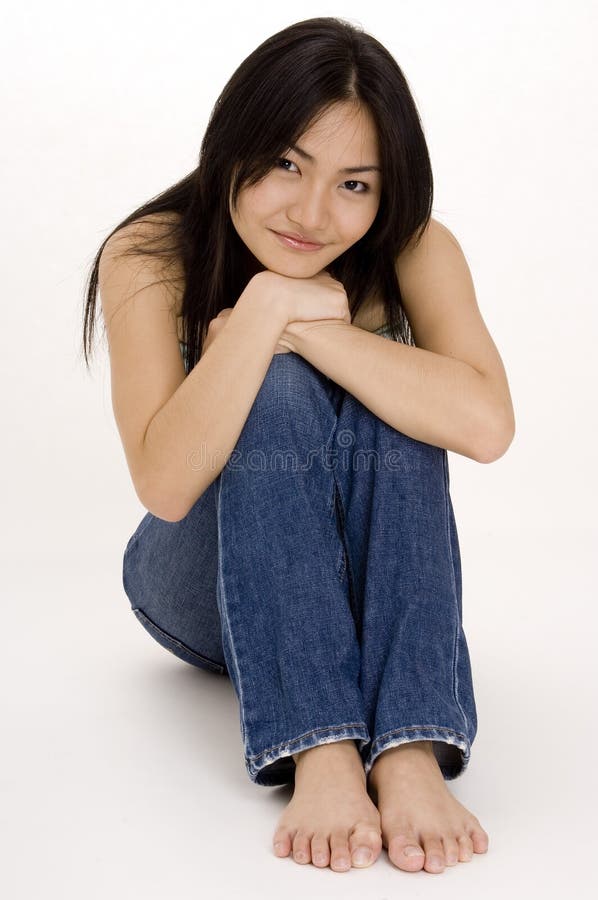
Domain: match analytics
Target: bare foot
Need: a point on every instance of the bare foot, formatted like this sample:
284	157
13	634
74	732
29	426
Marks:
418	811
330	814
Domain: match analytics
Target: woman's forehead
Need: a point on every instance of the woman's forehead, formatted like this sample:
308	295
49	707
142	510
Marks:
349	137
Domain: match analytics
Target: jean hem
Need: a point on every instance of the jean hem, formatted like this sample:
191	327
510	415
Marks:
435	733
276	765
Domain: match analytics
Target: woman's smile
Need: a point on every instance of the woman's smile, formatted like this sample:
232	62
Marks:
294	244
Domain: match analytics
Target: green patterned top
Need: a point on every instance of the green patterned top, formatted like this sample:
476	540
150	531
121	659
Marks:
384	331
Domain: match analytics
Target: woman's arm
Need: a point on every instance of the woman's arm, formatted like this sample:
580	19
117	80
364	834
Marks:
451	390
178	432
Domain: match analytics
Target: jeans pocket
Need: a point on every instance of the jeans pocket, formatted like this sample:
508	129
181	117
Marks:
177	647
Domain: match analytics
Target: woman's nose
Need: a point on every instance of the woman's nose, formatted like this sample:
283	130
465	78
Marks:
309	211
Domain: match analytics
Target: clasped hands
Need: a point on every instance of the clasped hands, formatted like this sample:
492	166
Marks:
309	303
289	339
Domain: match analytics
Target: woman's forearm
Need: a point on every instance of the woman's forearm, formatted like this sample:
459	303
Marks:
429	397
190	439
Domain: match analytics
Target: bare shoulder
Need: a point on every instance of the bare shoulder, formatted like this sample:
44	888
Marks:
121	257
434	235
439	295
149	228
372	314
441	304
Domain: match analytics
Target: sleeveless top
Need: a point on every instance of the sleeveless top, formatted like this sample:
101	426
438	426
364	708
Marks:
383	331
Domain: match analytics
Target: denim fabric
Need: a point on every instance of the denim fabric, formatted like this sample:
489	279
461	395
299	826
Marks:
321	572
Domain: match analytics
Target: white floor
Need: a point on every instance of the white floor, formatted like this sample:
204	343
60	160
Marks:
122	772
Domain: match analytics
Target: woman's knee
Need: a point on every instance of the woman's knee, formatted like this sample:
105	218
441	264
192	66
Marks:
369	442
293	394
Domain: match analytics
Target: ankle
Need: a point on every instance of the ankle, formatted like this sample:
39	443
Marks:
409	748
344	748
409	753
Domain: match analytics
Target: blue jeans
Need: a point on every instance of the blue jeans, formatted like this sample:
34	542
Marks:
321	572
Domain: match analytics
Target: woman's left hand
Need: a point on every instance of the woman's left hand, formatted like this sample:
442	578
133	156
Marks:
288	340
295	331
223	315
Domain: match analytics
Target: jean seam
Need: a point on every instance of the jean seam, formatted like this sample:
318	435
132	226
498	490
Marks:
224	615
455	676
332	501
353	605
140	614
147	519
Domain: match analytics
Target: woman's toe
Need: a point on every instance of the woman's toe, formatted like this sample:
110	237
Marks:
435	861
405	851
451	851
320	850
282	842
301	848
479	839
340	858
365	846
466	848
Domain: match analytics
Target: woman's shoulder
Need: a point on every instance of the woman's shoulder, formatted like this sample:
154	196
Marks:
145	244
150	227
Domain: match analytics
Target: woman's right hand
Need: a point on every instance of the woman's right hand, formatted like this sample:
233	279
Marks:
294	299
216	325
302	299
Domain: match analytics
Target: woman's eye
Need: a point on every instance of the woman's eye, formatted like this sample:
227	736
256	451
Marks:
364	187
282	160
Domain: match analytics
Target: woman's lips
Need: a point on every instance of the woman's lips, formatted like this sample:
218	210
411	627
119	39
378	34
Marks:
295	244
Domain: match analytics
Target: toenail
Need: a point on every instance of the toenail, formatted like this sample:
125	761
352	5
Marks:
362	856
435	861
413	851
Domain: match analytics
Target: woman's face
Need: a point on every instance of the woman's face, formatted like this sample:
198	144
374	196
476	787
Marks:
313	197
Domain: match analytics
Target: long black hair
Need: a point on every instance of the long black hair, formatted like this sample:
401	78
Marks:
278	92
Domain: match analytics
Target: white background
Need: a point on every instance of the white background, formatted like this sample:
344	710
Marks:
123	772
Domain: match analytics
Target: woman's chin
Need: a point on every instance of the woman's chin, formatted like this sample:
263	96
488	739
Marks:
302	269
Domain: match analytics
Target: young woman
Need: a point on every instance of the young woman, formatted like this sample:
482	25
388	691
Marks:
294	345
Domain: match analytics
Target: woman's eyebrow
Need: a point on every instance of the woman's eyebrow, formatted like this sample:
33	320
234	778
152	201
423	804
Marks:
347	171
